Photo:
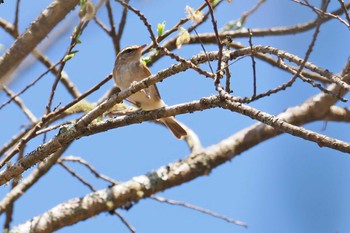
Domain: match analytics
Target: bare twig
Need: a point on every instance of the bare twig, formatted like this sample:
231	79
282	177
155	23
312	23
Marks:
121	27
143	19
71	88
199	209
15	22
124	221
322	12
312	83
104	27
342	4
313	41
76	175
88	166
205	52
275	90
28	86
253	62
86	183
19	102
218	40
53	89
276	63
253	9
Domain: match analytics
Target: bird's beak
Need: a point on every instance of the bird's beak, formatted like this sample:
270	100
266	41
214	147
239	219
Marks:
141	48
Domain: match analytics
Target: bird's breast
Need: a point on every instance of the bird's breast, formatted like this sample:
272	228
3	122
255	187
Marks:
128	73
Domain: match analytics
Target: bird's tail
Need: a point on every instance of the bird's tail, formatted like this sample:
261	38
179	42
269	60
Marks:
174	127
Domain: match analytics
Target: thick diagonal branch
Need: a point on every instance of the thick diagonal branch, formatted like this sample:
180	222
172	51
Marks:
36	32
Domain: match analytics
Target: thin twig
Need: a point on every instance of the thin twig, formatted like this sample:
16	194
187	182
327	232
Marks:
269	92
89	166
15	22
28	86
216	31
253	62
20	104
238	24
143	19
312	83
112	31
100	23
246	14
342	5
53	127
82	180
53	89
126	223
199	209
322	12
76	175
275	62
205	52
313	41
121	27
67	83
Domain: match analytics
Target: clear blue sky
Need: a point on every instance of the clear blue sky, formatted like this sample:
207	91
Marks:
281	185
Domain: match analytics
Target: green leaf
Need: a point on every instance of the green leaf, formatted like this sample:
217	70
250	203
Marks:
160	28
145	60
214	2
70	56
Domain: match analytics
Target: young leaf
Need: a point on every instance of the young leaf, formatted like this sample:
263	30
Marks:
69	56
160	28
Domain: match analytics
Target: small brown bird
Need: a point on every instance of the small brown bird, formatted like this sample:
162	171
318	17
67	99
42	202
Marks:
128	68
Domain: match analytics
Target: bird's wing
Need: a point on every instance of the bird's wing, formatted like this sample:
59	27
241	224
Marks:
152	91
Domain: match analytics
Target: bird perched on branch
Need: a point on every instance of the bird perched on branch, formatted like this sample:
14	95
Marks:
128	69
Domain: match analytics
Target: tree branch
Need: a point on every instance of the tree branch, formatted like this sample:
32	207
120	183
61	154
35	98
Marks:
35	33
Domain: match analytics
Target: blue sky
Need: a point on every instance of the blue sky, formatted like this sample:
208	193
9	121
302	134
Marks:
281	185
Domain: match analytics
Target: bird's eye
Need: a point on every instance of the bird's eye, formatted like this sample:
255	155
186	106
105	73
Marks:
128	51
